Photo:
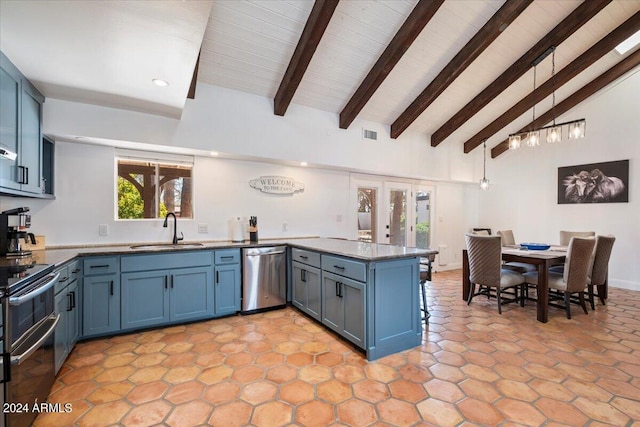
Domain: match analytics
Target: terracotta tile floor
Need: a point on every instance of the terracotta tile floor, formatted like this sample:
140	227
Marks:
280	368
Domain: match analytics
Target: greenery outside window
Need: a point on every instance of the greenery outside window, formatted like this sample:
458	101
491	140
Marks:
152	188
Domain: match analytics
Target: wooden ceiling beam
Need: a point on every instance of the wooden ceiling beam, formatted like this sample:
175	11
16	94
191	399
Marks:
604	79
483	38
581	63
192	88
412	27
576	19
313	30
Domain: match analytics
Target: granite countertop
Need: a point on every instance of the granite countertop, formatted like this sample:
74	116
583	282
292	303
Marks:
348	248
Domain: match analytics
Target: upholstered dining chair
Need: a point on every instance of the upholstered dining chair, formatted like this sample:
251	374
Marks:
597	276
509	240
565	236
485	270
574	277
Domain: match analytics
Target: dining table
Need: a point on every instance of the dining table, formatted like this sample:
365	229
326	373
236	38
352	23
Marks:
542	259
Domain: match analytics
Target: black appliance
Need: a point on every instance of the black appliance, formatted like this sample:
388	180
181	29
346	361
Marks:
13	226
28	325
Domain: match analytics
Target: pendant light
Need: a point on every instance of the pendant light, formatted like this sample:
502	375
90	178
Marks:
484	182
575	129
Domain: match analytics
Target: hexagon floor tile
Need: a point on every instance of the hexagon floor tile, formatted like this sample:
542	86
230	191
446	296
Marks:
474	367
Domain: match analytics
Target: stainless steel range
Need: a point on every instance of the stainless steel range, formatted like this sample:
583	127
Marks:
28	324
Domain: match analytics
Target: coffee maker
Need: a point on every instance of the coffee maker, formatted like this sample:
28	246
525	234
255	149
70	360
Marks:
13	226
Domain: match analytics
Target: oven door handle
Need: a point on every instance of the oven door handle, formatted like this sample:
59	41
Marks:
39	290
52	320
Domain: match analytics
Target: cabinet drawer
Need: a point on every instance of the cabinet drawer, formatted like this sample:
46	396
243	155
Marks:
227	256
355	270
75	270
64	278
94	266
165	261
306	257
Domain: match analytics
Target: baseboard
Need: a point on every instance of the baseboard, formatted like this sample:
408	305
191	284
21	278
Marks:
624	284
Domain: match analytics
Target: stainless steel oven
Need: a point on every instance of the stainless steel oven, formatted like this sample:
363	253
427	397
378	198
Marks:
29	323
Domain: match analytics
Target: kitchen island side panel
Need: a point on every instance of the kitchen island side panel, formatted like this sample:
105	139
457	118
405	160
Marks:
394	309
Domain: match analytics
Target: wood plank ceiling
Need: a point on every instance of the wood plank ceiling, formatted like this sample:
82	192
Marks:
458	71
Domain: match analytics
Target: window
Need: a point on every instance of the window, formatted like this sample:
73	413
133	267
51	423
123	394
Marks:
153	188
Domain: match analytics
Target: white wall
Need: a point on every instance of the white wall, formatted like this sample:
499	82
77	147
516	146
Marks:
523	194
242	124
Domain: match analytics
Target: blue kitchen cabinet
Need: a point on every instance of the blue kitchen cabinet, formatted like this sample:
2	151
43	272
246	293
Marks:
66	305
181	290
343	307
191	293
306	292
100	296
145	298
227	289
227	286
20	132
161	296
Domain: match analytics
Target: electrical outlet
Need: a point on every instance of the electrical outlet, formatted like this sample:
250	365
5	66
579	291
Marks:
285	226
103	230
203	228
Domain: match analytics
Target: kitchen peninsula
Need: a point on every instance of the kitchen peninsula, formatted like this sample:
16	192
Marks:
367	293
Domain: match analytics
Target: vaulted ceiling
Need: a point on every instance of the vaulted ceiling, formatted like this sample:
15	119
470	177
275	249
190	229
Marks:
459	71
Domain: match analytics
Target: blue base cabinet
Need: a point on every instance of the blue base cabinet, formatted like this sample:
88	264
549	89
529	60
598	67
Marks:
191	293
101	296
306	282
145	299
343	307
227	289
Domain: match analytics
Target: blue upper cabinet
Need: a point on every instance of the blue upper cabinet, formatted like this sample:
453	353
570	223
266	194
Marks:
20	132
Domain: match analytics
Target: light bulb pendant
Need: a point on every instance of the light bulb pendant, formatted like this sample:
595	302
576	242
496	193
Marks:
554	134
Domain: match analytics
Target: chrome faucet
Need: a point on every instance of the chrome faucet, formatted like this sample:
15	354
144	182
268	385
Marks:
176	239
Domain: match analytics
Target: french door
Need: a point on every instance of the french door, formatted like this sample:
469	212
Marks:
391	212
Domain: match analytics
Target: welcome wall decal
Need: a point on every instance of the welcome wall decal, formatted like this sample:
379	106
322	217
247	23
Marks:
274	184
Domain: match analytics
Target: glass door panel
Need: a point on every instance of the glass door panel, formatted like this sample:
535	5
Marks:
367	214
423	218
398	216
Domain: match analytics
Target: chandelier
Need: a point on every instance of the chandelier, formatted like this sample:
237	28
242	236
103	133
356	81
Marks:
531	138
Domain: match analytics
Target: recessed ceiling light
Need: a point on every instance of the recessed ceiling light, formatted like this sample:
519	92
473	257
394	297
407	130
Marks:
161	83
303	163
213	153
629	43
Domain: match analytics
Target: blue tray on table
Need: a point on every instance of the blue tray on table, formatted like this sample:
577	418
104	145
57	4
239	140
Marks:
535	246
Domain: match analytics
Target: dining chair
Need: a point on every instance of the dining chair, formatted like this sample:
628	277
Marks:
597	275
565	236
485	270
574	277
508	239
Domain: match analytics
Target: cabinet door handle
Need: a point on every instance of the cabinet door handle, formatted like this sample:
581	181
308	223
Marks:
20	177
100	266
226	257
172	281
111	288
73	299
64	279
337	287
69	302
77	270
166	286
217	277
303	275
304	257
337	267
26	174
340	289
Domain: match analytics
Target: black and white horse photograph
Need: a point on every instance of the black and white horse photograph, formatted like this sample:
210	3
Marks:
606	182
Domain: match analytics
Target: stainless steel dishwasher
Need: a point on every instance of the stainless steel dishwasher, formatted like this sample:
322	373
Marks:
264	278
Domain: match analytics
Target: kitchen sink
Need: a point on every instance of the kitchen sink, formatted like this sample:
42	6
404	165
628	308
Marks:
166	246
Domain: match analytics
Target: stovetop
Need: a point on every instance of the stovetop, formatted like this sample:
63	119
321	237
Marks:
15	273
